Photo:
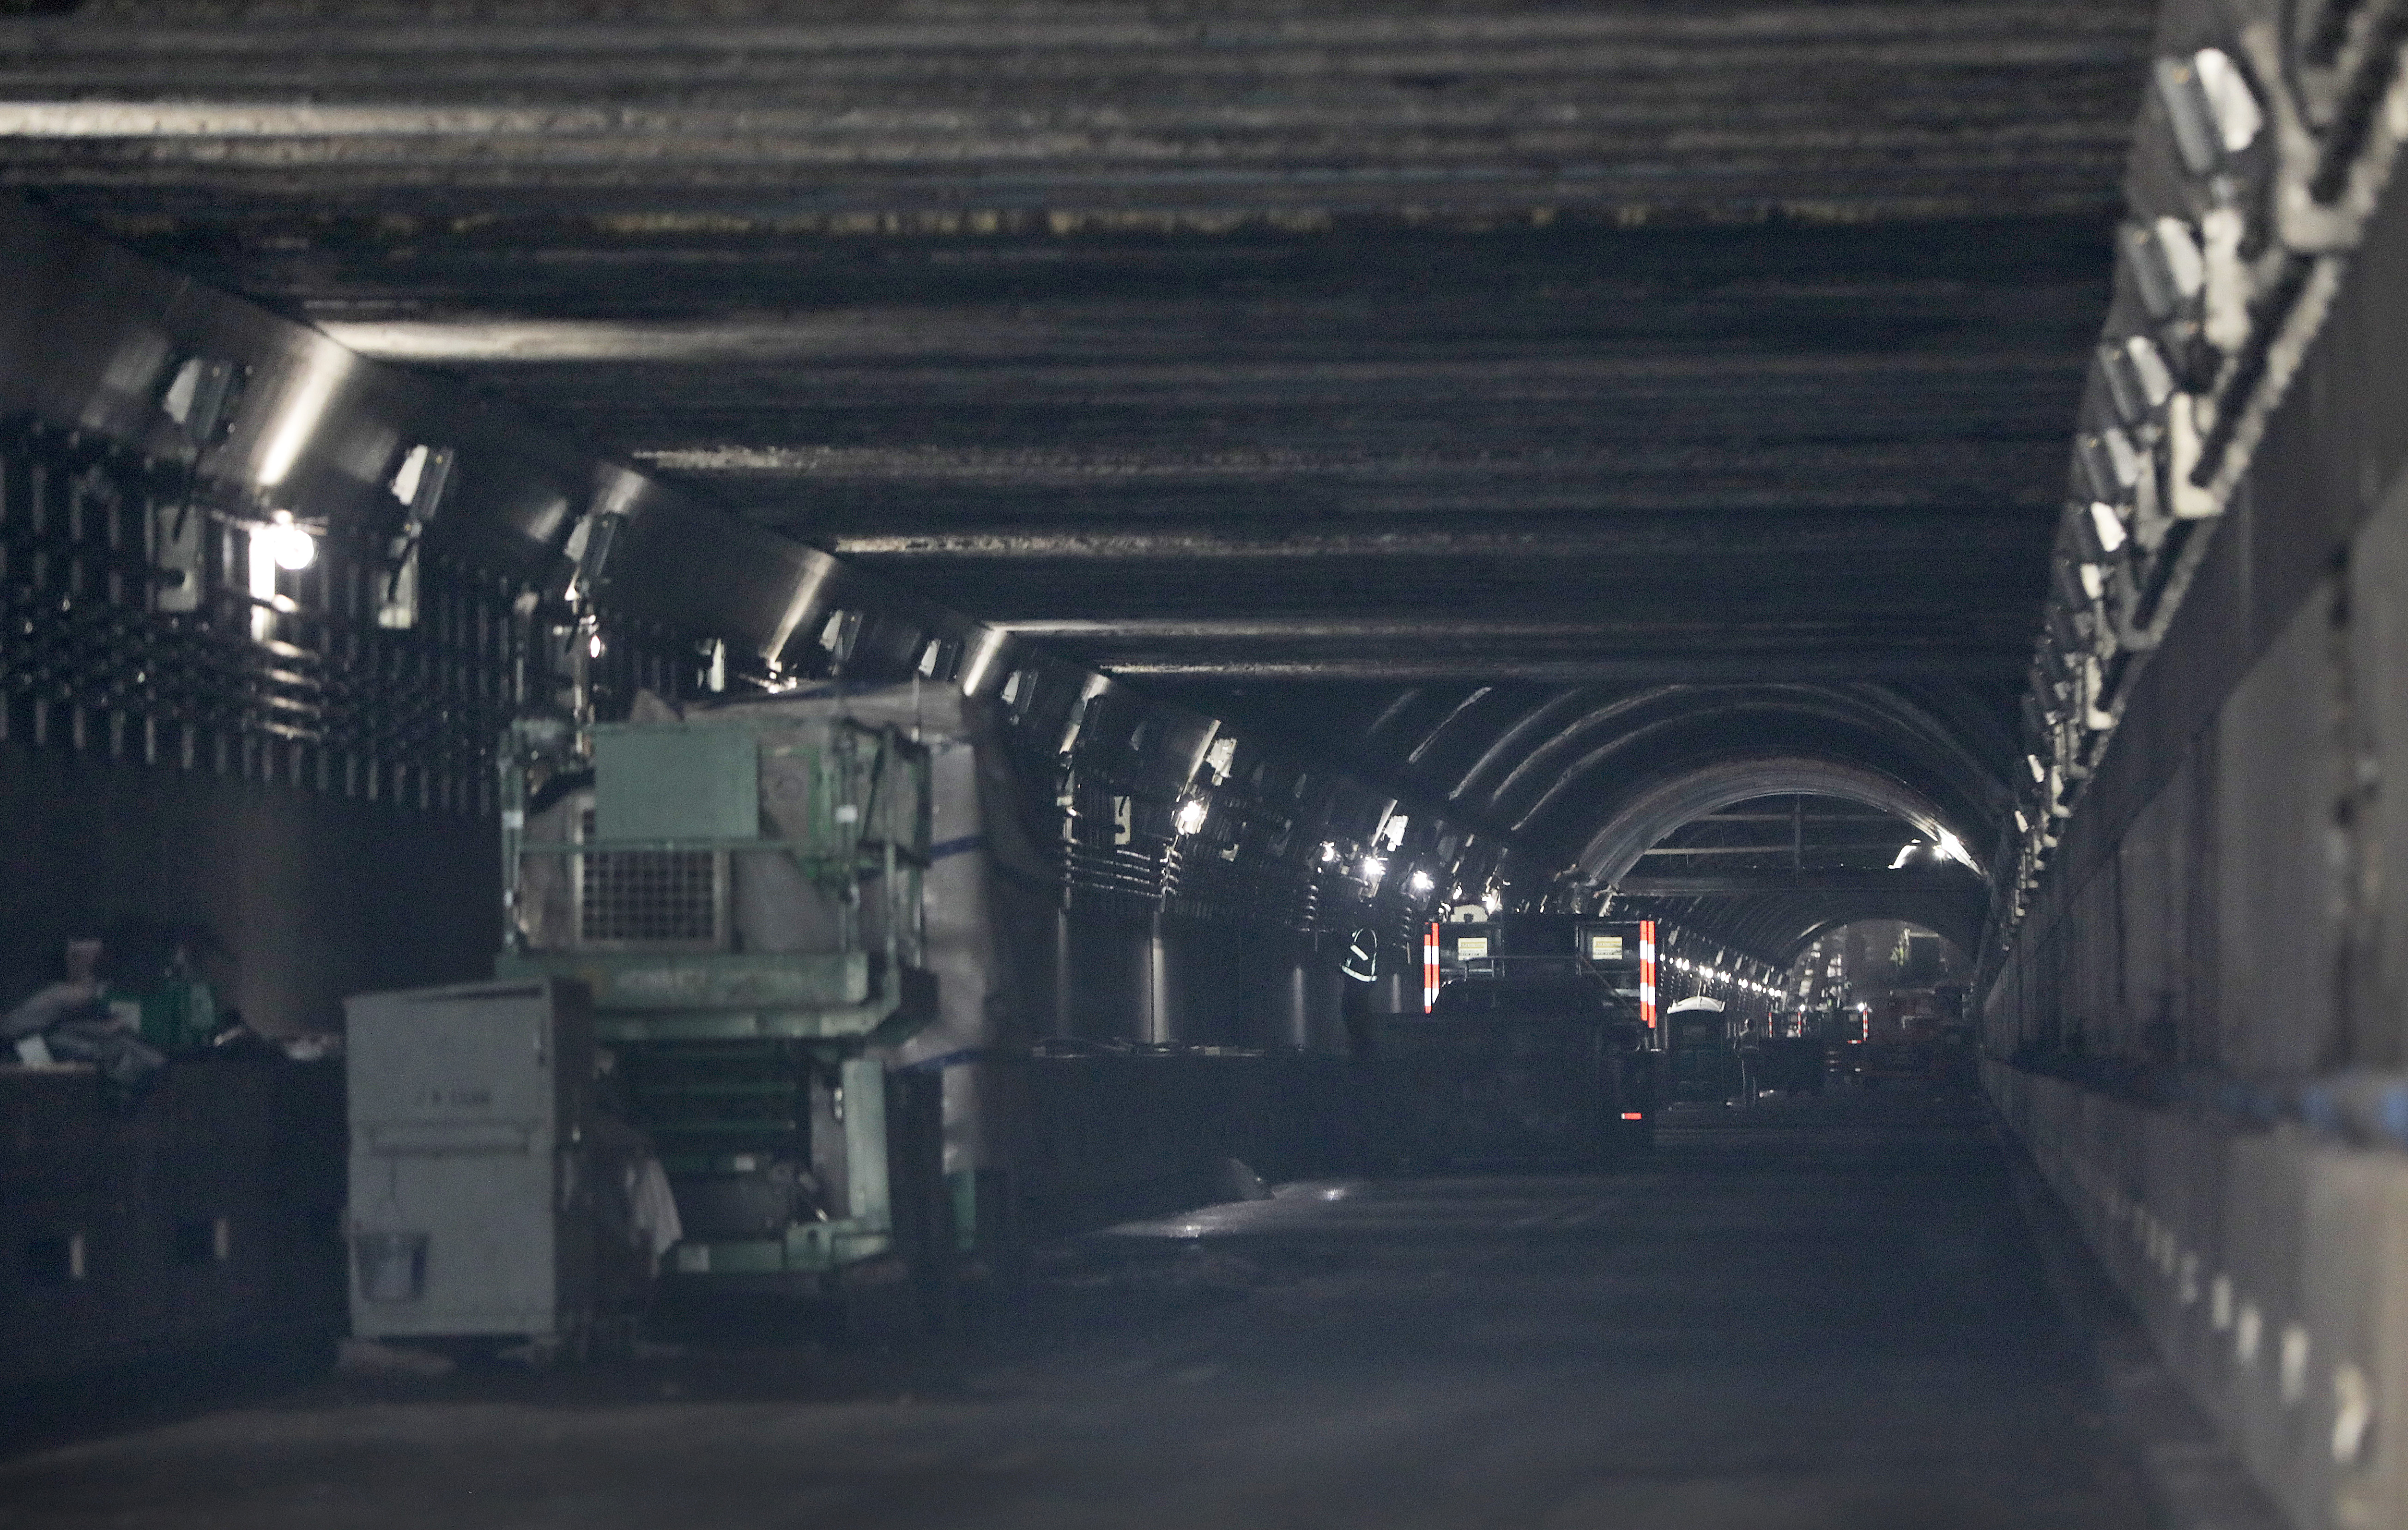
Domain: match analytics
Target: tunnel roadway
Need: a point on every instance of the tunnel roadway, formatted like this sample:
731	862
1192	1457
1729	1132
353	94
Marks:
1819	1313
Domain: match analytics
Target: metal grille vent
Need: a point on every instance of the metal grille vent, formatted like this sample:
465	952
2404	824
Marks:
650	896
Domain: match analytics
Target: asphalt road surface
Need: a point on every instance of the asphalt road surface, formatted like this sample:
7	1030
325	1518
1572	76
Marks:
1820	1314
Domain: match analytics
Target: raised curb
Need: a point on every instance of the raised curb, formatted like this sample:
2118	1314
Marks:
2190	1478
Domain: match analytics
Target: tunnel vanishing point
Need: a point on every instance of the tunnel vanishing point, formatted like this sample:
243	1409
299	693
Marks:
1322	502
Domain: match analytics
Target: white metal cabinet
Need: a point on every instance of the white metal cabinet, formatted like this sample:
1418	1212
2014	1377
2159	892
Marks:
470	1211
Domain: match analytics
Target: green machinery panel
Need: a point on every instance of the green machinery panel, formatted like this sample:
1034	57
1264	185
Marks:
672	782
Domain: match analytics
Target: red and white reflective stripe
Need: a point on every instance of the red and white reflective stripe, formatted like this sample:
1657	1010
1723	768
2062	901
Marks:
1647	972
1429	969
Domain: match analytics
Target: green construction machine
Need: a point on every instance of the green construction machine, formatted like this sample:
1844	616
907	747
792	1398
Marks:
740	888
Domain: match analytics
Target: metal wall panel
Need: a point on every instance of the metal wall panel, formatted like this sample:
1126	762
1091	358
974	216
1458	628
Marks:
2378	728
2274	770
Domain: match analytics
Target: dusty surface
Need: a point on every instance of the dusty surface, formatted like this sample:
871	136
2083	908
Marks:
1821	1314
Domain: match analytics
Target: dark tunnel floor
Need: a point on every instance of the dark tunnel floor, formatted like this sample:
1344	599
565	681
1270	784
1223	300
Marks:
1823	1313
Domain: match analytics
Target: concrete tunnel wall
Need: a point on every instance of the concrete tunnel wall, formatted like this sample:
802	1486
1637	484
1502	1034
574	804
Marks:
2199	1027
1174	980
305	898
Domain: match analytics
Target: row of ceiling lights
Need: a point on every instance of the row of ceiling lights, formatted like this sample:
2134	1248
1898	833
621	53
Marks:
1715	975
1374	862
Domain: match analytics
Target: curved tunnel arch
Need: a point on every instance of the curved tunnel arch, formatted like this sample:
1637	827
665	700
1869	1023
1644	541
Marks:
1657	809
1966	938
1584	779
1552	764
1777	925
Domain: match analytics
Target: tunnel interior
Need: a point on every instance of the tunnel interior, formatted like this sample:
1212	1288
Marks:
1168	705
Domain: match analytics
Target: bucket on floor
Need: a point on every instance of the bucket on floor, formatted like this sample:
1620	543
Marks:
391	1266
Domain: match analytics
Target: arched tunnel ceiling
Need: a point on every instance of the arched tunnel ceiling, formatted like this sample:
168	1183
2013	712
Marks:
1768	875
1538	406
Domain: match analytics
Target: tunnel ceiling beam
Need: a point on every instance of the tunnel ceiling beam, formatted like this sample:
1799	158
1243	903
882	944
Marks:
1407	308
1113	116
1666	663
1909	879
1850	529
1320	363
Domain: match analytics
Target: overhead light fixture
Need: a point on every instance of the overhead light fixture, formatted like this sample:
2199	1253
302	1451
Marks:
1191	816
1328	852
1904	853
1374	868
1420	883
288	541
1952	848
2232	104
2156	379
2109	525
1491	902
409	475
1219	757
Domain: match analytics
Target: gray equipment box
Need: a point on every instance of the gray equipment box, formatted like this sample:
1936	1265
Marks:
471	1209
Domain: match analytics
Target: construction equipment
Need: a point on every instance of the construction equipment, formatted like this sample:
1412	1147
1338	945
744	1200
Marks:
1702	1061
741	887
1531	1052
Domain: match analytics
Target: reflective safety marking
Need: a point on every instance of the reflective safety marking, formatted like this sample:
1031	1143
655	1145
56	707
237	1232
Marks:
1429	968
1647	972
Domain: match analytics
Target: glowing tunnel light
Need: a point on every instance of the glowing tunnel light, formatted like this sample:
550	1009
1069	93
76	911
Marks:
289	543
